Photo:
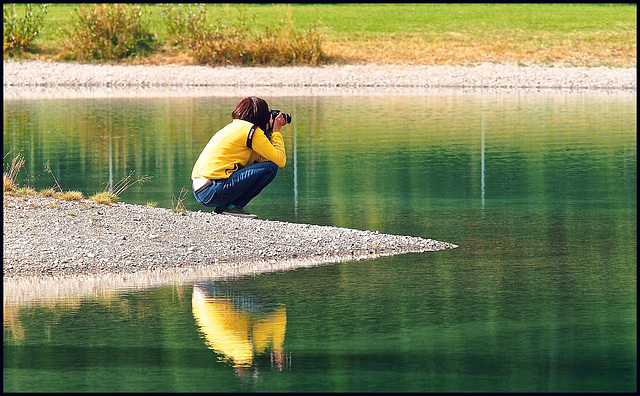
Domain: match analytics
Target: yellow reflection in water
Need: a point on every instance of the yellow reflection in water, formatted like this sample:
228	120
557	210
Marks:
237	332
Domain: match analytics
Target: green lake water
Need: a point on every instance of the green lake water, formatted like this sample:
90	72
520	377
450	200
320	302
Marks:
538	191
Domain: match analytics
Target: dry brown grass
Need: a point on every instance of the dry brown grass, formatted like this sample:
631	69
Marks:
105	198
9	184
72	196
26	190
177	204
403	34
109	196
48	192
457	49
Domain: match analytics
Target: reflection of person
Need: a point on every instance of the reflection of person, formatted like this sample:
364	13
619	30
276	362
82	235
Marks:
239	160
240	333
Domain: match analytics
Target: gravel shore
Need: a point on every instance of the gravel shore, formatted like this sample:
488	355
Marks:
37	79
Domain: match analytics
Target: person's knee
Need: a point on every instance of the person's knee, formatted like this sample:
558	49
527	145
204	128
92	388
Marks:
271	167
268	170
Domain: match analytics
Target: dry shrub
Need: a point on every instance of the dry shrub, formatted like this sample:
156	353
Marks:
8	185
284	45
20	32
107	32
235	43
181	21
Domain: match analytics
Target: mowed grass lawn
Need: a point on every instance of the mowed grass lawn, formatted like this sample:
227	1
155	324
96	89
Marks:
432	34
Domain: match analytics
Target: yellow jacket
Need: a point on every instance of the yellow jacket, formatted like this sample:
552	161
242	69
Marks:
230	150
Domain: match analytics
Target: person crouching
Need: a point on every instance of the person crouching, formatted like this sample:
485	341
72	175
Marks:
241	159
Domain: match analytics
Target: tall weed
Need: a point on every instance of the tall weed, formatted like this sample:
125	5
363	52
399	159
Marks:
47	168
108	32
126	182
177	204
112	193
9	178
20	32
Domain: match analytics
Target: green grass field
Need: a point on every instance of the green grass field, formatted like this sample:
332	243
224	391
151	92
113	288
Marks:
574	34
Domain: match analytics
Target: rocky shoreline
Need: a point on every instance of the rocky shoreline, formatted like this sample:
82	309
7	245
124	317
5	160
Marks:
39	79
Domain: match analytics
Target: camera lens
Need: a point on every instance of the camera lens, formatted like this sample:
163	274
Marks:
286	116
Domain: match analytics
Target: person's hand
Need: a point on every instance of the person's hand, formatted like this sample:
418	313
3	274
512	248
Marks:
278	123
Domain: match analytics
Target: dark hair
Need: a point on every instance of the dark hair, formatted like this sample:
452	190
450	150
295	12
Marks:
252	109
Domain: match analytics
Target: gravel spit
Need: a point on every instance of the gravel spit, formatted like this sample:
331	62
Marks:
48	237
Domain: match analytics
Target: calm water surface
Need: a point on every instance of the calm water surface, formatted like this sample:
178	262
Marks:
539	191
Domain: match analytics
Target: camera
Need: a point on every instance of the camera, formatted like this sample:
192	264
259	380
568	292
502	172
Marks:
274	113
287	116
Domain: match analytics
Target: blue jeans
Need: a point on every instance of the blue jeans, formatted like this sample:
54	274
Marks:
240	188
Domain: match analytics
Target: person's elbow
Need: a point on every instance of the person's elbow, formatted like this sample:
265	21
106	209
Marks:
281	162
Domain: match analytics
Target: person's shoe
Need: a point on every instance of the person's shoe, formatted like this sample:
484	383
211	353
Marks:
237	211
